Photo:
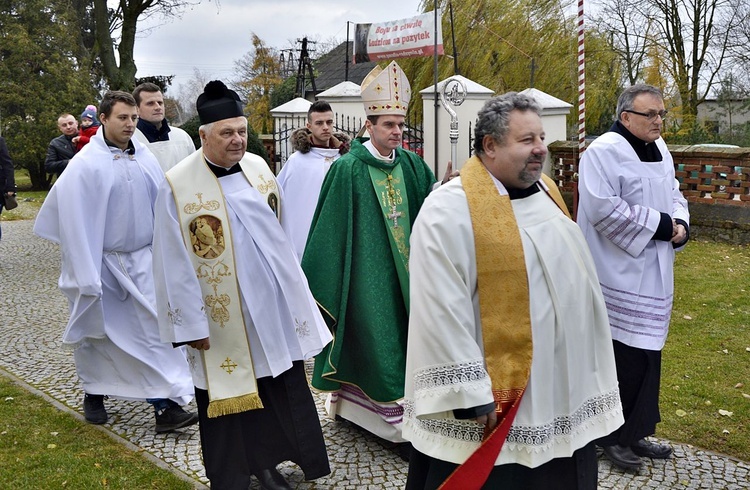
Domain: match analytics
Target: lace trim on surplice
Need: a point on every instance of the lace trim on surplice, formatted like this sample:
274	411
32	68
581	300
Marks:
447	375
534	437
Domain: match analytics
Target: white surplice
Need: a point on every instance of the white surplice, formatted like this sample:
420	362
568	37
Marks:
100	211
282	321
301	178
169	153
621	199
571	398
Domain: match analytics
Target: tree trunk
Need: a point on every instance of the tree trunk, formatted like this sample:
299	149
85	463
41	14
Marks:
38	176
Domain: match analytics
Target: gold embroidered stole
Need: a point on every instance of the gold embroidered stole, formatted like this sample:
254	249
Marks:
391	193
502	285
207	234
502	282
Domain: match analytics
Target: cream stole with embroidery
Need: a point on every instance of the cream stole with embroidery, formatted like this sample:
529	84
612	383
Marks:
232	386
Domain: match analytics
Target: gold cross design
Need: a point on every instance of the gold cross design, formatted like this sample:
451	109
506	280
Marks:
395	215
265	186
228	365
192	208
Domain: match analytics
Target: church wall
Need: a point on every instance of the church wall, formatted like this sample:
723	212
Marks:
715	182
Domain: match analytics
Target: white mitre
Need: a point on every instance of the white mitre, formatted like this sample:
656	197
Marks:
386	91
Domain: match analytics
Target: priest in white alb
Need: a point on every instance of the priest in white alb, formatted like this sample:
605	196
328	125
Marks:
229	285
509	346
316	148
634	218
168	143
100	211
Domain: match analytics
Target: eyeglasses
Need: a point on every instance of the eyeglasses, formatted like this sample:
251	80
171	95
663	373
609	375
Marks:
649	115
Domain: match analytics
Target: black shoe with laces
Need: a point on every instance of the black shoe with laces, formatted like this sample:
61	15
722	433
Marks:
648	449
173	418
93	409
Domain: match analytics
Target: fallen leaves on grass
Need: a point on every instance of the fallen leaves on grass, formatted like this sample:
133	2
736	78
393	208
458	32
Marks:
680	413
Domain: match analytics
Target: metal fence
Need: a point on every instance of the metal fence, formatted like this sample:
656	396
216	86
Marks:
413	138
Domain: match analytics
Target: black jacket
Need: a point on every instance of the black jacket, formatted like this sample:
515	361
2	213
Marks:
59	151
7	179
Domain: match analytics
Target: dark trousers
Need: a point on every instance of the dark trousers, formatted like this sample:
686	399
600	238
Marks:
578	472
639	376
287	428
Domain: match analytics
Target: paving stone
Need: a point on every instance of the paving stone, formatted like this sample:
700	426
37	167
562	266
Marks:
35	314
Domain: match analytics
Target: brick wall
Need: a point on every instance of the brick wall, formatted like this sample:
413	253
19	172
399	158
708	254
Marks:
715	182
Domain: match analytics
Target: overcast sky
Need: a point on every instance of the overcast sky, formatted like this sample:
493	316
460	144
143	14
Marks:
211	37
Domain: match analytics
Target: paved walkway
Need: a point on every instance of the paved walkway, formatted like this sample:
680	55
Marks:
34	314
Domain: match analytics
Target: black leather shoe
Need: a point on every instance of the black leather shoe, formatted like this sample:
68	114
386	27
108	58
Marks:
93	409
623	457
174	418
271	479
647	449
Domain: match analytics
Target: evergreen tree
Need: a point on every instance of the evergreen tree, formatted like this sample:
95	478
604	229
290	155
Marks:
40	78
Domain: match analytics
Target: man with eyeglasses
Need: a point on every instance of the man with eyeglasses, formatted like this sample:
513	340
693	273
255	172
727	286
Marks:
634	217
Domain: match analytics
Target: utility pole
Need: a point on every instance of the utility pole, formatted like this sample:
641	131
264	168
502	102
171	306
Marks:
304	64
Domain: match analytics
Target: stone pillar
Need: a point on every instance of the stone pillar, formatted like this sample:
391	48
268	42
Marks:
286	118
348	110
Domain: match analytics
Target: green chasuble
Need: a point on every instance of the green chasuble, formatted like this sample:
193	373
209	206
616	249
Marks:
350	266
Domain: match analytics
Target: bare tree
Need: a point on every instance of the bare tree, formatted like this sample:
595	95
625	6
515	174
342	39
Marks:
189	92
740	51
623	23
124	20
697	36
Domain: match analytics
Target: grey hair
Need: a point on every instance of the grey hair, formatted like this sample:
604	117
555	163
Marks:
627	97
205	128
493	118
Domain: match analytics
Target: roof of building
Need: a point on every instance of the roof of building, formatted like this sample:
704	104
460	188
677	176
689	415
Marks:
295	106
330	69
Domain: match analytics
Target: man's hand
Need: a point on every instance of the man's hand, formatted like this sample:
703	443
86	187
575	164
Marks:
202	344
450	173
678	234
489	421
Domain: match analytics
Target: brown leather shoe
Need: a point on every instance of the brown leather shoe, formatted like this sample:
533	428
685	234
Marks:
623	457
647	449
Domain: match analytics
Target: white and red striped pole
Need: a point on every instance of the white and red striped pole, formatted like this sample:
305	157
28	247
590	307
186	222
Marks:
581	102
581	82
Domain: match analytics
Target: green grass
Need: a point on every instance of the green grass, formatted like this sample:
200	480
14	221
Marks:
29	202
42	447
706	361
